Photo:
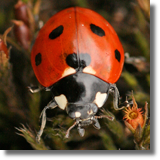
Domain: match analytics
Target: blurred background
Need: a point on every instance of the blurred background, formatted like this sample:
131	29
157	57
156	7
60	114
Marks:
20	109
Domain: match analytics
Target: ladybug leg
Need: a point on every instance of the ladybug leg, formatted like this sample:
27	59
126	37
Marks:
114	90
116	98
51	105
126	103
35	89
105	116
81	131
68	131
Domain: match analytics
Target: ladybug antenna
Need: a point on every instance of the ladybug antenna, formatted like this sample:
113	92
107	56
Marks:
68	131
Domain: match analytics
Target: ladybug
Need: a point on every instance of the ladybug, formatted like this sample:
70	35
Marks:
78	56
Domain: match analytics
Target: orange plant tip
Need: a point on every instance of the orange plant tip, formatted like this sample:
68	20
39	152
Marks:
3	47
17	22
5	35
134	116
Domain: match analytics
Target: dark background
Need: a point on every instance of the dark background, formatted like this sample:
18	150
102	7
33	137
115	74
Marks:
18	106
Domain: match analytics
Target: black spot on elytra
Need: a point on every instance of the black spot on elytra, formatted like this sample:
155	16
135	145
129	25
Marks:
72	60
56	32
117	55
97	30
38	59
84	61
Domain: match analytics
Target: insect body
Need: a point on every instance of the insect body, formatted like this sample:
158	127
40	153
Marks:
78	56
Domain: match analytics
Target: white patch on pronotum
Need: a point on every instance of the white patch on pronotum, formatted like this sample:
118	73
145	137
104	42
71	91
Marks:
68	71
77	114
100	99
61	101
89	69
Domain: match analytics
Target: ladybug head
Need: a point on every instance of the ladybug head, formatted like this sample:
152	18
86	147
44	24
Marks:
83	115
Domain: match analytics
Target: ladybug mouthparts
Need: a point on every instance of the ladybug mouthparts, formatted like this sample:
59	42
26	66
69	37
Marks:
84	115
84	122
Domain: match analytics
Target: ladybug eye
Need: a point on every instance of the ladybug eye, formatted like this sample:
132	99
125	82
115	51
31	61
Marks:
97	30
56	32
117	55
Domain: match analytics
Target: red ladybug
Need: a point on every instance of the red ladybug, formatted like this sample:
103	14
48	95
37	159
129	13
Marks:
78	56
